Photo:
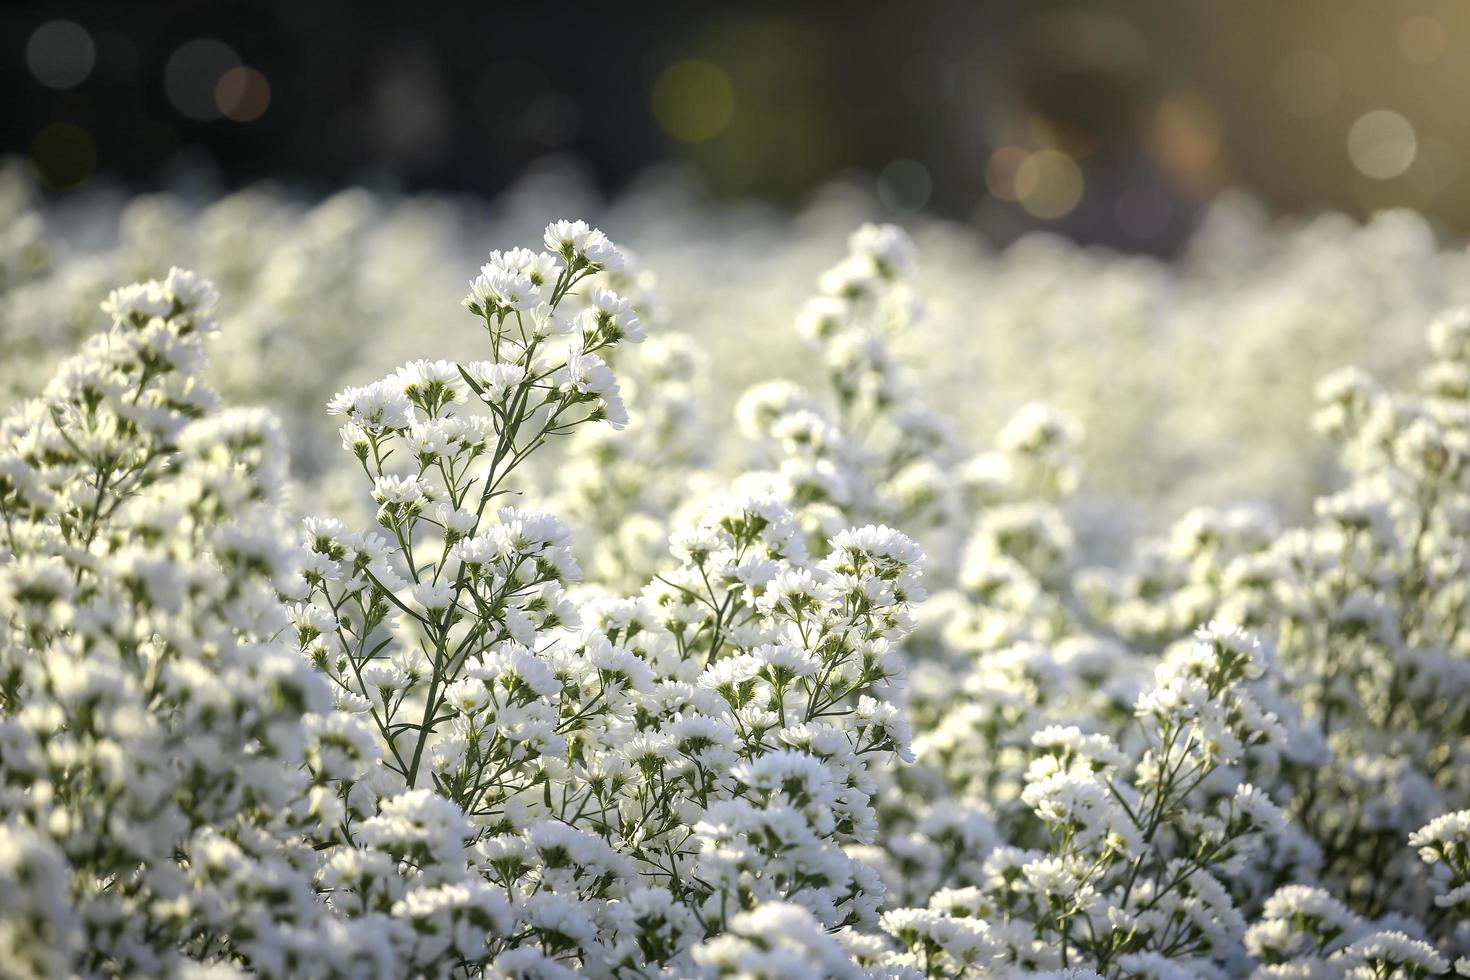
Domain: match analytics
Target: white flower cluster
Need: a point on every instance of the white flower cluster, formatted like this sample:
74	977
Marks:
874	450
1068	812
713	725
627	775
612	487
153	727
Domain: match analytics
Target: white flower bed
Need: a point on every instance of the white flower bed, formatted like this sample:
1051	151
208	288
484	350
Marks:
829	692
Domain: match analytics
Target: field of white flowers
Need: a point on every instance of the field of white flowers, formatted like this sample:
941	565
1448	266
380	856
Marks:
806	610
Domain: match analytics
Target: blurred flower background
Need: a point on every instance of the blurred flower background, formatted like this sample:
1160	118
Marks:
1166	219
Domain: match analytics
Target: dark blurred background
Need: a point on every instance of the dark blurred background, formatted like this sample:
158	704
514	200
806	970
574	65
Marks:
1108	121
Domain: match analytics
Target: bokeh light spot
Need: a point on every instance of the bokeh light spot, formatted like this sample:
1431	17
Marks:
63	155
1382	144
192	75
693	100
1306	83
242	94
61	54
1048	184
1187	138
905	185
1422	39
1000	171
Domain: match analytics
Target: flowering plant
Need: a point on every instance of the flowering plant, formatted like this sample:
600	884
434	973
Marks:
436	746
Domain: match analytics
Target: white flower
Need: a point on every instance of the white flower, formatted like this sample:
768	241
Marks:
577	243
586	375
496	381
374	407
429	384
1391	950
506	289
890	248
434	596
